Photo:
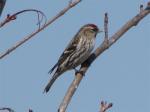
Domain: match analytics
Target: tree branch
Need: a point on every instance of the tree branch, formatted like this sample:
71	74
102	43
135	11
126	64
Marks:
14	16
104	106
8	109
105	45
70	5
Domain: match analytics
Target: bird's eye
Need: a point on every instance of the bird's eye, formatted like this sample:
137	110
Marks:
94	30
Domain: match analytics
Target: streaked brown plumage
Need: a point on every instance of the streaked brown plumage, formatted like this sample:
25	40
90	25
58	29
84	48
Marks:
76	52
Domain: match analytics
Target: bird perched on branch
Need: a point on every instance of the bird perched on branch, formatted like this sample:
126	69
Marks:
78	50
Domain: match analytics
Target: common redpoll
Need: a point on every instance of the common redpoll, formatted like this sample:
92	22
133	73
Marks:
78	50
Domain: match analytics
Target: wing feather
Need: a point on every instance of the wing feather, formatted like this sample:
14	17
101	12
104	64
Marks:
71	48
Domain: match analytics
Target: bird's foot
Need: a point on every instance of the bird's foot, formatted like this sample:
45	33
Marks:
78	71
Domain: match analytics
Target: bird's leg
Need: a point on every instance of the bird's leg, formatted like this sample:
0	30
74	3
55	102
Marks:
77	71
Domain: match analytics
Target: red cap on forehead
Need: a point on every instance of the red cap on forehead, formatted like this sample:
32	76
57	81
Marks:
92	25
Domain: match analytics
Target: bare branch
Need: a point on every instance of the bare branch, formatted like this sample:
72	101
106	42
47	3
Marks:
30	110
70	5
70	92
104	106
14	16
106	44
8	109
106	38
106	26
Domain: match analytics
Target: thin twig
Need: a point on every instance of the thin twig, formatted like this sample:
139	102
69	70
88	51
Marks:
30	110
14	16
8	109
106	38
71	4
141	8
105	106
97	52
106	26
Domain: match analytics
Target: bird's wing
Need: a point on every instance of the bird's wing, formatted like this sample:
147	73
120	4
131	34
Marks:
67	52
52	69
72	46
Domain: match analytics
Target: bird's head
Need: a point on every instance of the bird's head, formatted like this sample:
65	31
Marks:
90	30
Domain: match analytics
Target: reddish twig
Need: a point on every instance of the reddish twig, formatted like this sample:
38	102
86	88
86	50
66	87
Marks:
14	16
71	4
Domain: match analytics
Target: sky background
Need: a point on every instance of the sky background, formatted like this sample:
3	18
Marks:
121	75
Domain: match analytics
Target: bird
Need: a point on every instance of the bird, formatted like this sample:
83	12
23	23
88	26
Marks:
77	51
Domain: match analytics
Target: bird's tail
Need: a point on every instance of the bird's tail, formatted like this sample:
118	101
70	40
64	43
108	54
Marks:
51	81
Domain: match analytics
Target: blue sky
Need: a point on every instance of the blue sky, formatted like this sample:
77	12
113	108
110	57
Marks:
120	75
